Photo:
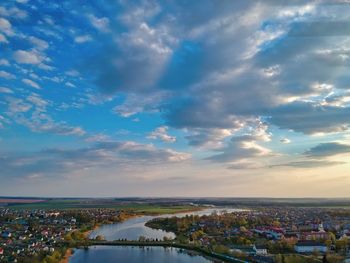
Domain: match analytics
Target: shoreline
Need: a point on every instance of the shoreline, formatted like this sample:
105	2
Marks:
67	255
69	251
189	248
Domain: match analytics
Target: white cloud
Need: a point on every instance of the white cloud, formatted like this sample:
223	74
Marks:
242	149
31	83
28	57
5	90
31	112
34	76
97	138
16	105
45	67
3	39
13	12
6	27
137	103
162	134
4	62
102	24
72	73
39	43
70	84
6	75
82	39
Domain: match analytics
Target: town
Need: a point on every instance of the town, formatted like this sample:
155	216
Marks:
267	234
44	235
254	234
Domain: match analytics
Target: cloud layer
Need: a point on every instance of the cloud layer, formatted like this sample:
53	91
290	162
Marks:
241	87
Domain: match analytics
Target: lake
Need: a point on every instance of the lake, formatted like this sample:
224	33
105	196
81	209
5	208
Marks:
122	254
133	228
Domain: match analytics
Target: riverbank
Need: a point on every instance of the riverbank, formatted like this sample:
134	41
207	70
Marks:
127	216
67	255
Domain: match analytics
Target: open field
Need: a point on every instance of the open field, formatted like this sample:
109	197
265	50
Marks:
168	205
137	207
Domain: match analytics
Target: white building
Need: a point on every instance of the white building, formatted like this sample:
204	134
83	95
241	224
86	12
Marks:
260	250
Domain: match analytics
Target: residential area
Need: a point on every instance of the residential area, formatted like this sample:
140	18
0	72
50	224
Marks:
268	234
44	235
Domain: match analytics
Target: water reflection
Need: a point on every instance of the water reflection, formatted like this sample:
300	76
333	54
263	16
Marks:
133	228
106	254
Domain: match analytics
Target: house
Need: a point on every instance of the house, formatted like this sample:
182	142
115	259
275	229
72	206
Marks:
273	235
260	250
6	234
310	247
291	237
314	235
249	250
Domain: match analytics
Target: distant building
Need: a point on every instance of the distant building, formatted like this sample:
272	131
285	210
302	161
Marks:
260	250
6	234
249	250
274	235
310	247
314	235
291	237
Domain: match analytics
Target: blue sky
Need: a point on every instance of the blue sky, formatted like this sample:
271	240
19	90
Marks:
174	98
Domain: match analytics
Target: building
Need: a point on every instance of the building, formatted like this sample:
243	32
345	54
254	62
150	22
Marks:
260	250
310	247
320	235
6	234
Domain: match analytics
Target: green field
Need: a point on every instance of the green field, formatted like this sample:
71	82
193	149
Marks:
141	208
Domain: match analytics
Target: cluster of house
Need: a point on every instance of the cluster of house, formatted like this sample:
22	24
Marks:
24	233
308	230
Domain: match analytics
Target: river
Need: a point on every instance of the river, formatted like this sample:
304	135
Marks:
126	254
132	229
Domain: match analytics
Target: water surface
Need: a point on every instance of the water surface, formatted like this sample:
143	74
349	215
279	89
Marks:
128	254
133	228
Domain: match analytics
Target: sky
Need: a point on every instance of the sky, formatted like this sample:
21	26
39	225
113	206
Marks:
175	98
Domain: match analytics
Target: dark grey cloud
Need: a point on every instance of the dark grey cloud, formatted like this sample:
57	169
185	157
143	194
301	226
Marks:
317	156
320	29
240	148
309	164
57	162
208	138
308	118
327	149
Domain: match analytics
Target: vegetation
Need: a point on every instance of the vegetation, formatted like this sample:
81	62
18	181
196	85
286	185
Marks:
139	208
45	257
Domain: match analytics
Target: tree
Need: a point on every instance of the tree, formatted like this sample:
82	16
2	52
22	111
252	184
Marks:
99	237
